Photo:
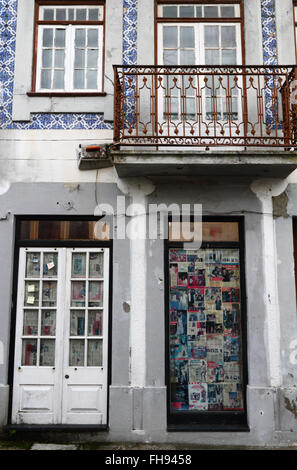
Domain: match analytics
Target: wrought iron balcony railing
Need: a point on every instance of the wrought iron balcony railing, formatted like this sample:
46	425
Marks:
205	106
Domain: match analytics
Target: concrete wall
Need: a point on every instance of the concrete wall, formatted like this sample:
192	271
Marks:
138	412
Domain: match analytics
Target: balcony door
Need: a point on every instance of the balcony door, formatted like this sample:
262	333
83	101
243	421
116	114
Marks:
196	99
60	374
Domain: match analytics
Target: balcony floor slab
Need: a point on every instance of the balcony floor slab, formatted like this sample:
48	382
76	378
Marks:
253	163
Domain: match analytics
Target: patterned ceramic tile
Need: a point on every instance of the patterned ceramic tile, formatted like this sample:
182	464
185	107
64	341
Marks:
269	50
8	20
8	15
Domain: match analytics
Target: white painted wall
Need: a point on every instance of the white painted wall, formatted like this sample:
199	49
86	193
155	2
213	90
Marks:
48	156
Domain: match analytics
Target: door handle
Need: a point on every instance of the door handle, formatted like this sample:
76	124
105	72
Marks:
66	376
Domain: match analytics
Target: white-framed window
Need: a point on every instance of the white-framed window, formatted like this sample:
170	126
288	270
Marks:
69	48
200	35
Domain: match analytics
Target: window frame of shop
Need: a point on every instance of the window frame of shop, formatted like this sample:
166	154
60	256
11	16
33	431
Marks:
61	243
216	421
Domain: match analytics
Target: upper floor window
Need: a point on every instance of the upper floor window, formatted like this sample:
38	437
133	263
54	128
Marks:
199	33
69	47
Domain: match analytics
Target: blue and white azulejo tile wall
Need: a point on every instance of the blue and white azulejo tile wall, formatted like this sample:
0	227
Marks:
8	20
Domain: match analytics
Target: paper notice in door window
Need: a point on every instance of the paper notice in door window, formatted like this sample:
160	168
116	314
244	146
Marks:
30	325
78	294
95	323
47	352
96	265
29	352
31	294
95	294
76	353
49	294
94	353
77	323
48	323
50	265
33	265
78	265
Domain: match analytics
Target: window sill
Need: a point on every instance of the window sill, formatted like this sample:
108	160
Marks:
56	427
208	428
38	94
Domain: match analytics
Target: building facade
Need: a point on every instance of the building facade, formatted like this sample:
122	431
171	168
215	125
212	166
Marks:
138	109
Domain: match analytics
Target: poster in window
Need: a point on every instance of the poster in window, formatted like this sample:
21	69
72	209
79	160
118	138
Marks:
205	332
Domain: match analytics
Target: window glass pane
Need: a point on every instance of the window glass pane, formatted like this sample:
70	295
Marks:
76	352
212	231
92	79
60	38
170	12
92	59
220	231
170	57
94	352
186	11
92	37
228	57
170	36
47	38
187	36
211	12
80	230
29	352
45	79
79	60
50	264
81	14
96	265
59	58
79	79
95	323
212	57
77	323
80	37
227	11
187	57
199	12
93	14
31	294
49	293
228	36
47	55
61	14
47	352
49	230
190	109
95	294
78	294
48	322
30	325
211	36
33	265
70	14
48	14
57	230
58	79
78	265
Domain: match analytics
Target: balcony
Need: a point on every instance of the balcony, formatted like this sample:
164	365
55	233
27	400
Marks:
205	120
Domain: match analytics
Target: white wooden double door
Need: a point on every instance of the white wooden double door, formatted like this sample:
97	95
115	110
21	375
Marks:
61	349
